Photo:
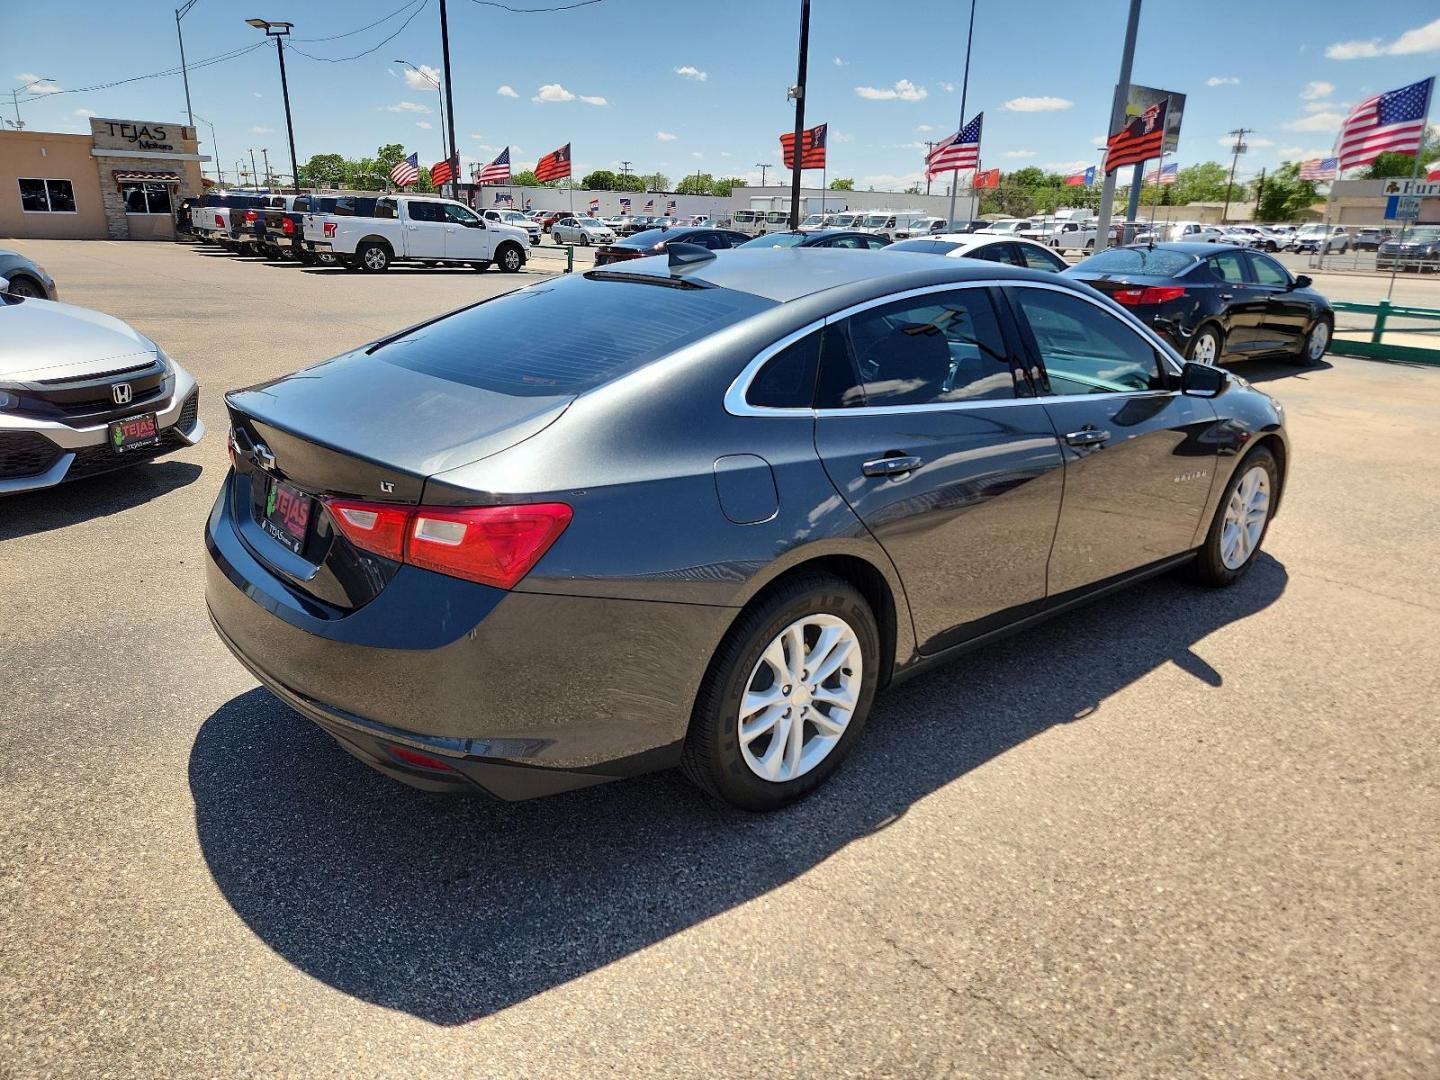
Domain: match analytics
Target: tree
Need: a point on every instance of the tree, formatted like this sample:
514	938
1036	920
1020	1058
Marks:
842	183
698	183
1029	177
629	182
1403	165
655	182
599	180
525	178
725	185
365	174
328	170
1286	196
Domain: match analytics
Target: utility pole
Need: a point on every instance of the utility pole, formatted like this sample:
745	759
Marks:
184	72
280	31
1239	149
265	157
929	149
763	166
253	171
1117	117
624	168
964	89
1259	192
214	145
449	98
797	92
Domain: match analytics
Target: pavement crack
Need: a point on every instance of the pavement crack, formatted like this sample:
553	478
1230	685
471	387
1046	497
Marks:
1367	591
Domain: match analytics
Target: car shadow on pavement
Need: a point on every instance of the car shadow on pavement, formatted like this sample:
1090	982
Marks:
94	497
453	909
1264	369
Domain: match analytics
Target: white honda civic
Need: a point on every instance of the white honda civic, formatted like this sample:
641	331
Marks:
82	393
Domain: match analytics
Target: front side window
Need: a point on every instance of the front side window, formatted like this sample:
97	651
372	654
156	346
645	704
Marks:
1268	272
146	198
39	196
930	349
999	253
1086	349
458	215
1229	268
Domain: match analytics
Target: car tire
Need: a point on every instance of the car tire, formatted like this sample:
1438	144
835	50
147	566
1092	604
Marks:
1242	518
1089	245
28	287
1198	351
1315	343
373	258
584	240
482	266
717	761
327	258
510	258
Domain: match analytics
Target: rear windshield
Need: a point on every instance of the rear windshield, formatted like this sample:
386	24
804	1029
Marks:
930	247
774	240
566	336
1140	260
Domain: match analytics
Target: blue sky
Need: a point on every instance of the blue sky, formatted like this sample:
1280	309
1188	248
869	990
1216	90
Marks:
679	85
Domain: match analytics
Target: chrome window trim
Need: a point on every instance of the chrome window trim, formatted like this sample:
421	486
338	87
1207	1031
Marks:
737	405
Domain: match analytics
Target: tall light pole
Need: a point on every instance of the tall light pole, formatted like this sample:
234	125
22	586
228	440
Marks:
214	145
797	150
1239	148
1117	117
449	120
763	166
280	31
180	13
15	100
265	157
444	144
254	172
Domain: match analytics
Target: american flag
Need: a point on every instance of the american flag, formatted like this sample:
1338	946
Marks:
441	173
812	147
1167	175
594	205
527	203
554	166
1389	123
1139	140
649	206
406	172
1319	168
502	197
498	171
670	206
958	151
624	206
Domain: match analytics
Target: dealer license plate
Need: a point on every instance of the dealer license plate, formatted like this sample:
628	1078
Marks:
287	515
134	433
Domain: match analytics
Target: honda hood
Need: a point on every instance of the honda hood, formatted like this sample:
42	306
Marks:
41	339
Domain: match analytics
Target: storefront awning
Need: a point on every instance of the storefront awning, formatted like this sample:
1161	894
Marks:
129	177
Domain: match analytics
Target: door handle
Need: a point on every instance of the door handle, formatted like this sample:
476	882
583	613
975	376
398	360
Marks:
1227	296
891	466
1087	437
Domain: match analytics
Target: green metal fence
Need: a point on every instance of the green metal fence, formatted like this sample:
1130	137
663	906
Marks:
1377	348
546	258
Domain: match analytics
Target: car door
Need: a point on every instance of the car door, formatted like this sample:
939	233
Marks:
467	236
1139	459
926	424
1240	305
1287	313
424	229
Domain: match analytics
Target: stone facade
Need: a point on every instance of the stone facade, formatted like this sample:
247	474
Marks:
134	146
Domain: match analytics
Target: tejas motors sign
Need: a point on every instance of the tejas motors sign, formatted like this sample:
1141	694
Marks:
134	135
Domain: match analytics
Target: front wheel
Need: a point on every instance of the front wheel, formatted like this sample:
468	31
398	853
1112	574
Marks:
786	696
24	286
1312	349
1241	521
584	239
510	259
373	258
1089	245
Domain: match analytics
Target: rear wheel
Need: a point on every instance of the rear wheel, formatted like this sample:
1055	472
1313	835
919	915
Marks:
1312	349
510	259
1089	245
1241	521
584	239
374	258
786	696
20	285
1206	345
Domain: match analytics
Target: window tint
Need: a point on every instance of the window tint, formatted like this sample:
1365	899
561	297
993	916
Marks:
384	208
875	243
1141	260
929	349
787	381
1229	268
928	247
1268	271
39	196
999	253
146	198
1037	258
563	337
1085	349
426	211
457	214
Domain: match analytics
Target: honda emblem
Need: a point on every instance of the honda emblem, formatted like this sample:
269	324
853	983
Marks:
122	392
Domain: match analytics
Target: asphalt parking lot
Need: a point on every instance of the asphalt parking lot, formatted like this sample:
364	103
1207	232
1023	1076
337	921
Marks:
1180	834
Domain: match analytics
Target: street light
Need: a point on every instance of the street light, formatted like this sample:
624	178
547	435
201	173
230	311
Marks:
180	13
280	31
214	145
15	100
444	145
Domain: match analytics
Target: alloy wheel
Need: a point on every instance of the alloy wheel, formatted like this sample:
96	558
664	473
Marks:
375	258
800	697
1319	340
1245	516
511	260
1206	349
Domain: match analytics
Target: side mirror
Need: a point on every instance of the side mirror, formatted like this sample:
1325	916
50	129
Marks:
1203	380
1302	281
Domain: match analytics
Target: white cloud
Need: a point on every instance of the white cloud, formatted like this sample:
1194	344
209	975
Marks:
1422	39
421	80
925	127
44	87
1038	104
696	154
841	136
890	180
839	62
258	130
1067	166
256	93
86	112
593	100
1301	153
506	91
1252	141
1317	89
948	87
424	124
665	136
914	145
690	71
904	90
407	106
1318	106
553	92
1018	153
1320	121
724	153
1223	80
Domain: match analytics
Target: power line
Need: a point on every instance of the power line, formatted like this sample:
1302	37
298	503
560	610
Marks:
535	11
233	54
373	48
367	26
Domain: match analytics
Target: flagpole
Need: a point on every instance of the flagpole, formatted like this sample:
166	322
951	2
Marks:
797	155
964	90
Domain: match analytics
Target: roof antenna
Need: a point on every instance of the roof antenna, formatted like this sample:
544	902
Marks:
682	255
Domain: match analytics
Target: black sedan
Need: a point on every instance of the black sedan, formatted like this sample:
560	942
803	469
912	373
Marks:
655	241
820	238
697	510
1215	303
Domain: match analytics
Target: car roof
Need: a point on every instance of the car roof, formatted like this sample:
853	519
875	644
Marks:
786	274
1198	248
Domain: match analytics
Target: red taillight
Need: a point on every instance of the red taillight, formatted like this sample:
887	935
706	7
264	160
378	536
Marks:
1150	294
219	220
288	226
494	545
414	757
249	217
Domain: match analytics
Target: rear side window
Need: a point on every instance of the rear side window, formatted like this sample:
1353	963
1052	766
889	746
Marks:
787	381
1268	271
426	211
1086	349
565	337
1229	268
1037	258
926	350
998	253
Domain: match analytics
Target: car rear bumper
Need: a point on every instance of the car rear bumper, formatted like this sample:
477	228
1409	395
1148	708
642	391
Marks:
513	694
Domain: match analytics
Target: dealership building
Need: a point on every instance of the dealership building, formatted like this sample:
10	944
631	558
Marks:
120	182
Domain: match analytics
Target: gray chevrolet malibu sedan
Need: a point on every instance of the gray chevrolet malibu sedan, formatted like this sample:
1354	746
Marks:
697	510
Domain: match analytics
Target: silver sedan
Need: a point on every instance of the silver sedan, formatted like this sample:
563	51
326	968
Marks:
583	231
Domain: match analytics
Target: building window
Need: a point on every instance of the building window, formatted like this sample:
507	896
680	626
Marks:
47	196
146	198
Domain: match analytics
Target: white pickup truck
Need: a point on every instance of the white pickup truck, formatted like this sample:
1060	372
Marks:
423	228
